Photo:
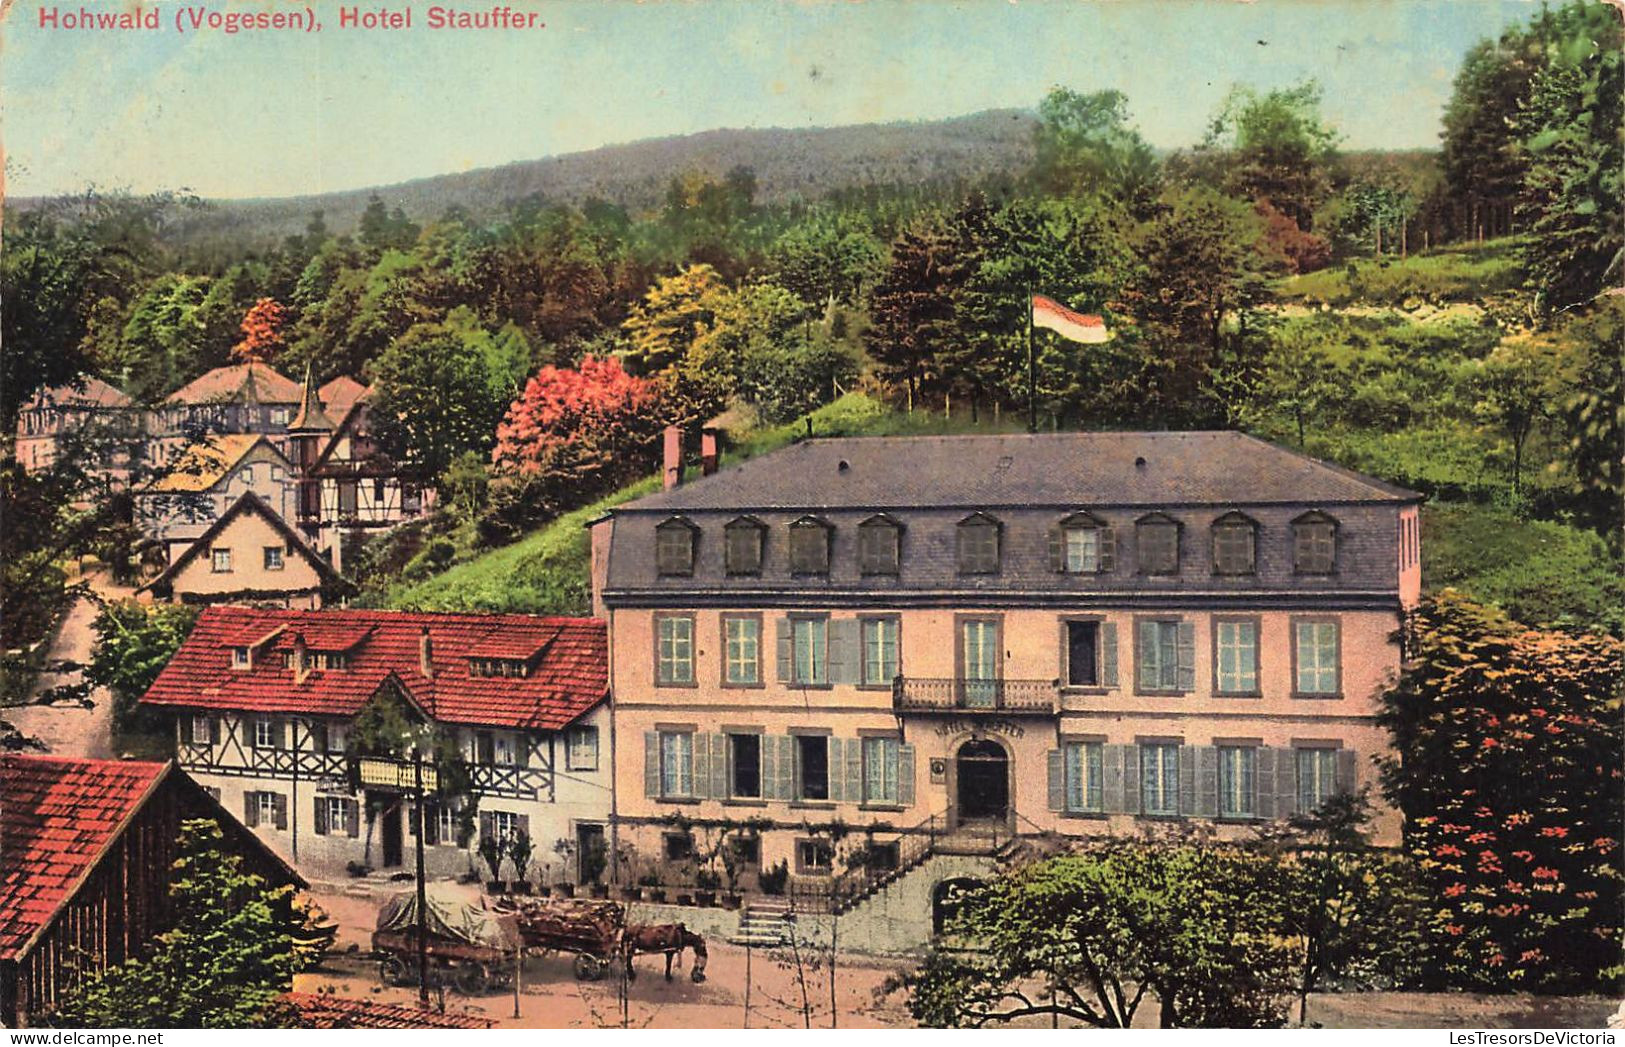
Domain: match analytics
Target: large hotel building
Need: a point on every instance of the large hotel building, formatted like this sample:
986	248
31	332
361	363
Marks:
997	637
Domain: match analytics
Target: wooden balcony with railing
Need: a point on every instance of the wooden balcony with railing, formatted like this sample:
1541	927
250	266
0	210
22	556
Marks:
919	694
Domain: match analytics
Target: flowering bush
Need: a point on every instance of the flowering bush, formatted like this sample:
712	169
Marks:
1509	750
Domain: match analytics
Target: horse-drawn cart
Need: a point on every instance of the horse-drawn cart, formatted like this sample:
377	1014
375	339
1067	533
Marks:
591	930
469	947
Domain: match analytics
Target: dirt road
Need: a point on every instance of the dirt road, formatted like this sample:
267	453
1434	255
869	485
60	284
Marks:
69	729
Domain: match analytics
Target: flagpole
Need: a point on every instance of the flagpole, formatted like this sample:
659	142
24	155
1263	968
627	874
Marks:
1032	370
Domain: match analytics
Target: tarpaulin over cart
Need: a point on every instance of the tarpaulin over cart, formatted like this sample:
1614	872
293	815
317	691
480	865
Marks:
449	914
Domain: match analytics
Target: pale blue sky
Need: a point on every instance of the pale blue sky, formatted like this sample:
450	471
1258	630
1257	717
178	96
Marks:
279	114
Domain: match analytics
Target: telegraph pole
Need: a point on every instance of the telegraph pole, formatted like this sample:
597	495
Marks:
423	901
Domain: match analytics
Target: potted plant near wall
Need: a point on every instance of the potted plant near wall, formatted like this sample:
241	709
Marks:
706	882
520	849
566	850
491	852
652	891
593	864
625	859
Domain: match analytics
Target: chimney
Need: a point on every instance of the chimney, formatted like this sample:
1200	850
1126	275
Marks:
425	655
709	458
672	456
301	663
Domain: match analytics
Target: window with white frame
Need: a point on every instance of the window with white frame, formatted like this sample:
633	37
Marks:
1236	781
676	763
446	825
1316	645
265	808
1157	655
674	662
220	560
1084	777
581	748
239	658
338	735
504	749
202	730
1317	778
880	770
267	733
880	663
504	824
273	557
336	811
1236	649
1159	778
743	638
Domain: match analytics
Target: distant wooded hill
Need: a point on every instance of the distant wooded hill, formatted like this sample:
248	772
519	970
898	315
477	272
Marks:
788	164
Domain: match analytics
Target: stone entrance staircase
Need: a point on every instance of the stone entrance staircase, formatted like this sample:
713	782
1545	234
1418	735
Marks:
764	924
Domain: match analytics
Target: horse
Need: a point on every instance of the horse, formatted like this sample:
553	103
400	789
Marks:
669	938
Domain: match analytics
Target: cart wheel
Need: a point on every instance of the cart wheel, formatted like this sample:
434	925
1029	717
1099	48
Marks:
471	979
393	971
588	967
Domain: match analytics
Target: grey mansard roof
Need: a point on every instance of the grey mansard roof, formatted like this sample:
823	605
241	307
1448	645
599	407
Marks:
1060	469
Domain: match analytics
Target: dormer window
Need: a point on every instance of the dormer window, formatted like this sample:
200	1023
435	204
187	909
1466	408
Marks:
742	546
880	541
241	659
1156	540
1314	543
674	547
979	544
1235	538
810	540
317	660
511	667
1082	544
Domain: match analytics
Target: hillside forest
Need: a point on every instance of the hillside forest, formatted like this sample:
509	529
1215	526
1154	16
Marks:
1444	320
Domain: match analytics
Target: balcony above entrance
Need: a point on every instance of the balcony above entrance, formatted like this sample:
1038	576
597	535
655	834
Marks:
916	694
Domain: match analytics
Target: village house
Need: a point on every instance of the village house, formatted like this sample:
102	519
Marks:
250	555
85	853
266	702
935	648
103	416
205	481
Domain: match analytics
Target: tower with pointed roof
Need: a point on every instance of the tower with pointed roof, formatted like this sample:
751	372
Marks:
307	432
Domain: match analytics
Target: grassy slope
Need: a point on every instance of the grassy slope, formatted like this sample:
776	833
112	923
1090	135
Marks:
545	572
1457	273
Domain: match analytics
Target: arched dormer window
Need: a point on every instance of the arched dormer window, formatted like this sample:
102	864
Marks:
1314	543
675	540
1082	543
880	545
742	546
1156	544
810	540
1235	542
979	544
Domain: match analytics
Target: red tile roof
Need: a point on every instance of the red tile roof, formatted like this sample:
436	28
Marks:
568	676
340	394
239	382
57	817
84	391
326	1011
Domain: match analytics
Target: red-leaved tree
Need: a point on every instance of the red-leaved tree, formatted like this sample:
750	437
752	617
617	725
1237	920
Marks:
262	332
574	433
1508	768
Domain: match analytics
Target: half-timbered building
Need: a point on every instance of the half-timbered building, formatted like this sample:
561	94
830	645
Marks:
266	704
86	848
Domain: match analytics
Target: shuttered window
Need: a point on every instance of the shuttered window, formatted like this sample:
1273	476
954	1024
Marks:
1236	657
1316	652
1084	777
1165	652
674	547
1314	544
880	770
979	545
812	767
879	546
266	804
880	664
743	637
1159	779
1317	778
202	730
581	752
809	547
810	650
1237	783
1233	544
1156	542
745	766
742	548
676	763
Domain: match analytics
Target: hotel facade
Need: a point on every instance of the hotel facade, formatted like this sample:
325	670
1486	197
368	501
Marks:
915	643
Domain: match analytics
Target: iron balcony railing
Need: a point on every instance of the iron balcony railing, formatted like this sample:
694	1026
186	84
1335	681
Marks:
956	694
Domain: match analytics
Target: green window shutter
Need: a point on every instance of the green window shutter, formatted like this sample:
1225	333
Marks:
651	768
905	775
719	766
787	766
770	767
251	810
214	730
837	767
699	766
1108	654
1264	782
1108	549
1131	779
1346	771
786	649
1187	656
431	824
352	817
1057	549
1286	783
1207	781
320	820
854	770
279	809
845	651
1057	780
1111	779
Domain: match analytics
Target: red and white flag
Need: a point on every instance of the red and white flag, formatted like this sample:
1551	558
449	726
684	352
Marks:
1079	327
